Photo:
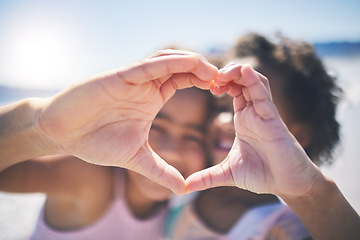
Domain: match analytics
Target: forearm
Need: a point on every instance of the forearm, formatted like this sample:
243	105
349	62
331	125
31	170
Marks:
20	138
326	213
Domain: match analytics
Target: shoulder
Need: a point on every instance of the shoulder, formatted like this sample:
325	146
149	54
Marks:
81	194
284	224
269	221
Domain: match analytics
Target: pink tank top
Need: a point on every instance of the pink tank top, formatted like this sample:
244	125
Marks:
117	222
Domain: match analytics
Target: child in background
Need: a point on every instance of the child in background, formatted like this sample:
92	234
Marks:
306	98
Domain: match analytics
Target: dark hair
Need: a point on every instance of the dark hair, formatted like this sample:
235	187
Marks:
308	88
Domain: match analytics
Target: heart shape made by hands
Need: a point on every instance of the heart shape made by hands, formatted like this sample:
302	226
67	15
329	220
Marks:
110	122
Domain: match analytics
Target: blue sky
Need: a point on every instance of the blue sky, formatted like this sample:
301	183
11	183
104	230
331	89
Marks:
50	44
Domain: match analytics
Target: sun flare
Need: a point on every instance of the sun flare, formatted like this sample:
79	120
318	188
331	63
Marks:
37	55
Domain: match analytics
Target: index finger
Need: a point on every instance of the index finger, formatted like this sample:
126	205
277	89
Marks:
157	67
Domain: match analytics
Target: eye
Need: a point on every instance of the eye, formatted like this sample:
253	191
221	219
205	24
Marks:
157	133
194	140
157	128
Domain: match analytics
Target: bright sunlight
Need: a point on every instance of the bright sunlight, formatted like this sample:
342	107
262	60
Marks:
38	54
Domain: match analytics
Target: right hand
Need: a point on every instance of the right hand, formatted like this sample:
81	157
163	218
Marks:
265	156
106	119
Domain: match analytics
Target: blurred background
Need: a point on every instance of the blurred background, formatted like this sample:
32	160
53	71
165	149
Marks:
48	45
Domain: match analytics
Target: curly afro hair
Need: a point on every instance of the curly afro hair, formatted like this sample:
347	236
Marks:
312	93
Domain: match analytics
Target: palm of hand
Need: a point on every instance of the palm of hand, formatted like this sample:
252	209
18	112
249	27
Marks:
97	129
259	150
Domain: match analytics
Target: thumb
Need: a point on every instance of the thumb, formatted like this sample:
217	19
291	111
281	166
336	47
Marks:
147	163
218	175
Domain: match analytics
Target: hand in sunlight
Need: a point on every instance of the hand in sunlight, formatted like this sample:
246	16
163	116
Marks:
106	119
265	157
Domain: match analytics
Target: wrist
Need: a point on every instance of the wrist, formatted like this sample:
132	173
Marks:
318	186
22	138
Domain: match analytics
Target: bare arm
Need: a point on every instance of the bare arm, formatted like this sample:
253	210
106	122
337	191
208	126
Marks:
53	175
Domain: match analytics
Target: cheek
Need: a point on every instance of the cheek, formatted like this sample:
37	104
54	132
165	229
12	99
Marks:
218	157
155	140
195	161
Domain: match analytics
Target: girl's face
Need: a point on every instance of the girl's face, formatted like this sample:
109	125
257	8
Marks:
177	135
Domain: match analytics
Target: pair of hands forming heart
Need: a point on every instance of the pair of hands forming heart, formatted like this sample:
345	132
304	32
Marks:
106	120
